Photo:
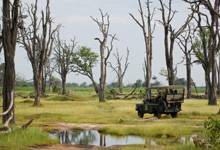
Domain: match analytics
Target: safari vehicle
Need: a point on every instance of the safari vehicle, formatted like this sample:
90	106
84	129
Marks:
162	100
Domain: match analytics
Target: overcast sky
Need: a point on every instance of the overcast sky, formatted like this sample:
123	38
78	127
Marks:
74	15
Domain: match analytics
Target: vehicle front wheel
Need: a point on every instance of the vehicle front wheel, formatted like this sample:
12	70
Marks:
174	114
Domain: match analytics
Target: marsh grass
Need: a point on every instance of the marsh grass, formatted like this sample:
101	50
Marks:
20	139
161	147
156	131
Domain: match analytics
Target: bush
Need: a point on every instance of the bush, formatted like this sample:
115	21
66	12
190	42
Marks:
212	131
113	92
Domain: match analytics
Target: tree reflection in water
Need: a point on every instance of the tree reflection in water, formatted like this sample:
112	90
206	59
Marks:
93	137
77	137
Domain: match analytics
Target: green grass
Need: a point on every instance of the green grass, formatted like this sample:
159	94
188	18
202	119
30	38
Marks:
160	147
156	130
116	117
20	139
65	98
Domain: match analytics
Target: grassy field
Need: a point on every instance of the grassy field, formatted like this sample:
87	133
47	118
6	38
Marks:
116	116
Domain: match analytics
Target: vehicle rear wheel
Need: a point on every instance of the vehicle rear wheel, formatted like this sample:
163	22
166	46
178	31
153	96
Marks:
174	114
141	115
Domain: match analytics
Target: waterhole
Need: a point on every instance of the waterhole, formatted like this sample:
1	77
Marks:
93	137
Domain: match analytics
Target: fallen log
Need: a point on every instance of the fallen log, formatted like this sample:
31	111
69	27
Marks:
131	93
26	125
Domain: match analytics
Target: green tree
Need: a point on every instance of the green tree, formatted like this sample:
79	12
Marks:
84	61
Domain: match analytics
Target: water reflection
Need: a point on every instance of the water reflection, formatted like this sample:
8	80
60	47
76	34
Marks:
93	137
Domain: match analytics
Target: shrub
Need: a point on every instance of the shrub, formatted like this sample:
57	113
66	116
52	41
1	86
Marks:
113	92
212	131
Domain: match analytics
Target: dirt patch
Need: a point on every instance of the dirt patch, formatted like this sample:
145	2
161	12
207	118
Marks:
72	147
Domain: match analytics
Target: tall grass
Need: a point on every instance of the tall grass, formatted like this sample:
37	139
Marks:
20	139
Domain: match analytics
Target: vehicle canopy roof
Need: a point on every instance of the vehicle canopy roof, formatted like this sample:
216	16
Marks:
168	87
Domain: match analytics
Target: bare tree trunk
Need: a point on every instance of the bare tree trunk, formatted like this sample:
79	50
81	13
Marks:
170	35
218	73
208	86
170	71
120	84
105	50
145	25
37	88
189	79
63	84
50	83
8	85
96	88
213	90
149	46
102	78
44	82
186	45
9	34
169	53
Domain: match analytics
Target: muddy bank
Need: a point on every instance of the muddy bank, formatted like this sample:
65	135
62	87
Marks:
71	126
72	147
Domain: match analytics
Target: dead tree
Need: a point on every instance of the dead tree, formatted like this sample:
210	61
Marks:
83	62
218	74
170	36
105	50
10	21
185	43
37	37
146	25
120	69
1	39
208	26
63	57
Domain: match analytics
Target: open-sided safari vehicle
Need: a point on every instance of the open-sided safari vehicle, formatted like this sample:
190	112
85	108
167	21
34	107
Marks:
162	100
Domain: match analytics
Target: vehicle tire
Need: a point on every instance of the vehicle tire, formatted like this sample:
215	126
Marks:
174	114
141	115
